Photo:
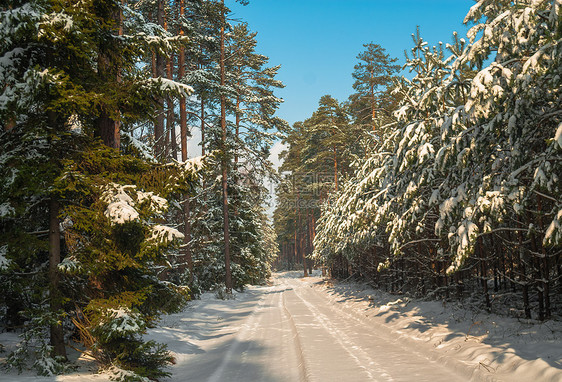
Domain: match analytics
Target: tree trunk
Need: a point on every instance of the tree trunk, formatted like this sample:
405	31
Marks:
336	167
237	128
187	236
544	263
303	252
202	117
484	273
183	111
108	129
183	129
310	243
202	126
183	140
224	164
171	145
539	284
295	253
373	109
56	331
524	283
160	63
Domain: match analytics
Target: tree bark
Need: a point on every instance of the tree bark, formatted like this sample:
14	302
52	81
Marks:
238	118
310	241
544	263
373	109
301	246
171	145
181	75
159	66
202	126
202	118
336	167
523	276
224	163
484	273
183	143
108	129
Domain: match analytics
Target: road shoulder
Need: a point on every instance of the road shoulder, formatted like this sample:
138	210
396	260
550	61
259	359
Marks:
479	345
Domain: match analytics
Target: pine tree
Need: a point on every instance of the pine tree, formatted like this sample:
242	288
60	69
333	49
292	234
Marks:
320	152
56	100
248	139
373	75
467	171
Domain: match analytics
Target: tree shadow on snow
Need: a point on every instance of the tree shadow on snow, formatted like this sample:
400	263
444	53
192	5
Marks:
527	340
220	365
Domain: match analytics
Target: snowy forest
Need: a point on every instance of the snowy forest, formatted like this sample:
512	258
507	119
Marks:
105	221
445	182
441	179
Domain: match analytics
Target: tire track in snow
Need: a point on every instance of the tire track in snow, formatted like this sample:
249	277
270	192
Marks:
388	335
347	343
247	328
303	377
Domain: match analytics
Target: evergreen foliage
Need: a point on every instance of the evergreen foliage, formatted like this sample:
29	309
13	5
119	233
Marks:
92	196
466	184
456	189
374	74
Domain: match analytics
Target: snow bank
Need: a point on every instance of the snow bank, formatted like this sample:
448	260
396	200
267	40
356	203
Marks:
484	346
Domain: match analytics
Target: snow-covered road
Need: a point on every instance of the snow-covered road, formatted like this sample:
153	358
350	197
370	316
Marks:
308	329
289	331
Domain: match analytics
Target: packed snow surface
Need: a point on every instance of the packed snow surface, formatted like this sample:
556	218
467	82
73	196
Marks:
310	329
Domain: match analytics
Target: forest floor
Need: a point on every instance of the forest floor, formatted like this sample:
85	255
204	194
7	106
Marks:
312	329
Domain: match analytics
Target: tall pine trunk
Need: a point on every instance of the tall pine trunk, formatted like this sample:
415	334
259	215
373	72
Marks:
373	108
238	118
296	251
171	146
202	115
523	280
544	264
107	128
183	138
159	64
301	246
336	167
202	125
224	162
484	273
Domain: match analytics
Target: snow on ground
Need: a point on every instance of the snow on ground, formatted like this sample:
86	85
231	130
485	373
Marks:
86	368
493	347
312	329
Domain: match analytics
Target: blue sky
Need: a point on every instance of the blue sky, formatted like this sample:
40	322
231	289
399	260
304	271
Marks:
316	41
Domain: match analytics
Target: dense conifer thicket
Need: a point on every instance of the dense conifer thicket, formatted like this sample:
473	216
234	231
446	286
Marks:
105	222
447	184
